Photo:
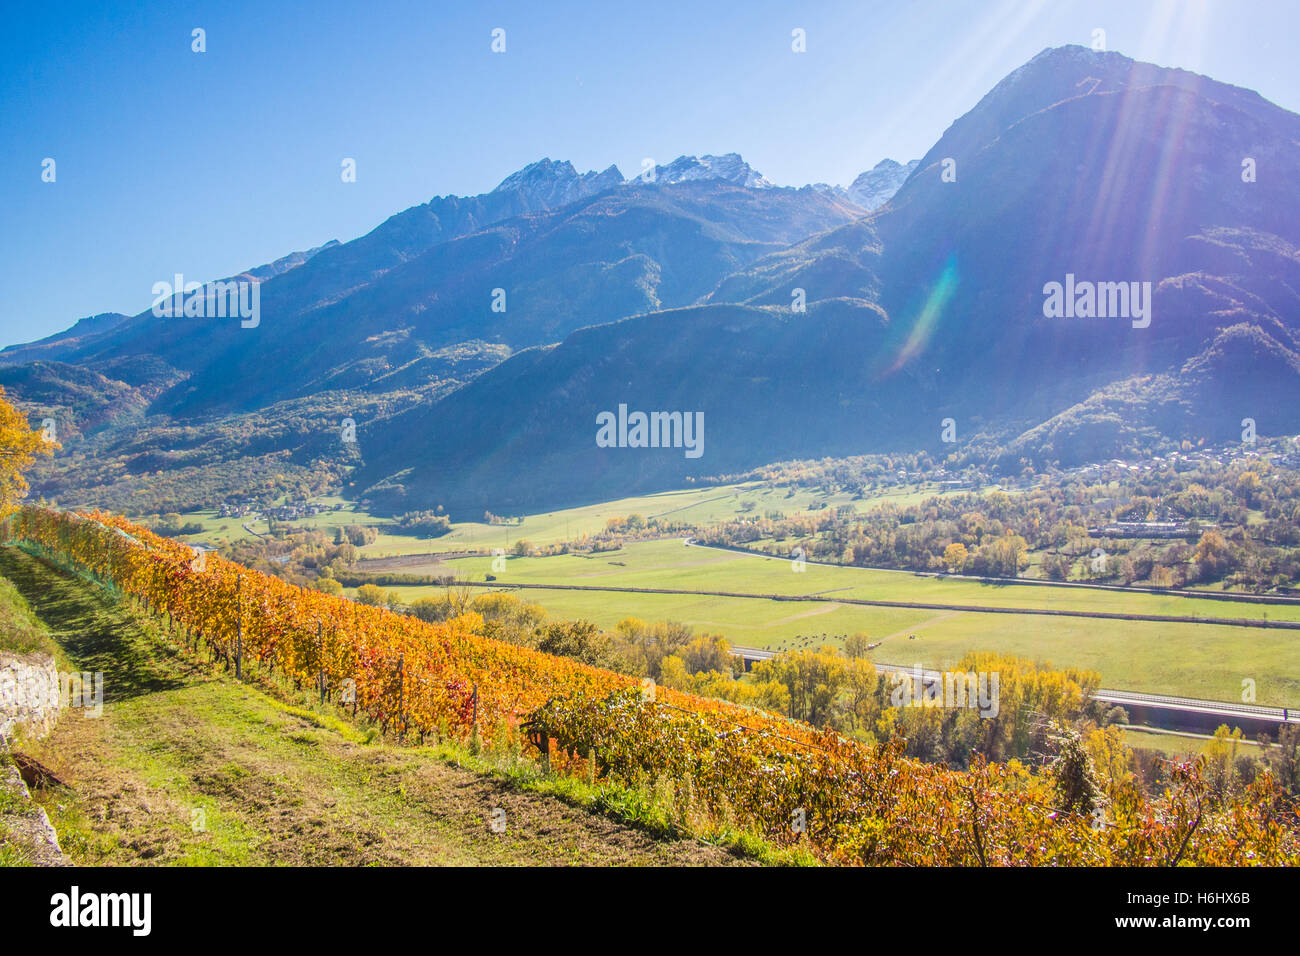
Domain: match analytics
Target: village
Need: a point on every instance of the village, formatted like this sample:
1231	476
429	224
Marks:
292	510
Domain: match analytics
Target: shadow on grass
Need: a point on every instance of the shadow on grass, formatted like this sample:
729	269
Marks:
96	635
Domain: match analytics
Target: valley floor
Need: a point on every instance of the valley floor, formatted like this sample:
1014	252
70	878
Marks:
1158	654
189	767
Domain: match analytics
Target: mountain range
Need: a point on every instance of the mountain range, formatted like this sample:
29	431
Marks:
483	335
568	250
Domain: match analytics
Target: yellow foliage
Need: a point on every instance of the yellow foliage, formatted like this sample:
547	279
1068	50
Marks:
19	446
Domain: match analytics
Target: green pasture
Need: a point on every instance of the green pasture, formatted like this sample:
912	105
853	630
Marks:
669	563
694	506
1188	659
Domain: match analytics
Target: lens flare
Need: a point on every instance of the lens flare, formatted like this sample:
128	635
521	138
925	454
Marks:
927	320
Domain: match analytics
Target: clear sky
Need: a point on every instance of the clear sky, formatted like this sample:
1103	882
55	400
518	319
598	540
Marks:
209	163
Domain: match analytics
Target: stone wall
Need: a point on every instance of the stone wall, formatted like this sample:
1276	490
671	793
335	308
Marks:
29	697
29	704
27	828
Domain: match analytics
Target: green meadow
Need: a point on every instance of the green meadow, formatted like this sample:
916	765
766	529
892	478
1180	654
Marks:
1195	660
694	506
1188	659
669	563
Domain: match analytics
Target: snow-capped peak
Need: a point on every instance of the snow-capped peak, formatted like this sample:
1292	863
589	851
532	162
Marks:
549	183
728	168
877	186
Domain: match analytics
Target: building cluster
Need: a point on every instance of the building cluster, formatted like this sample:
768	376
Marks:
289	511
293	510
1165	522
969	480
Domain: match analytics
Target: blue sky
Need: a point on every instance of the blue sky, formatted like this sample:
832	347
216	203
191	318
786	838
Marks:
207	164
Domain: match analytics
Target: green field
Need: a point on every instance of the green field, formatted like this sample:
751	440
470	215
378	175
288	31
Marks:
696	506
1163	657
1195	660
667	563
232	529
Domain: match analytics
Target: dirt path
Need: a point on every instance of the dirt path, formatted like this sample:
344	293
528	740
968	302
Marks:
186	766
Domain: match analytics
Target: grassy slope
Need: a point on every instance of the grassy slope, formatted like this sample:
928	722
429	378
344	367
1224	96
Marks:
21	631
180	743
1173	658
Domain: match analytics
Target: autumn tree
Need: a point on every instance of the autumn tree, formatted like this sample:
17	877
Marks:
954	556
1029	694
581	640
673	673
1074	777
509	618
19	446
1008	555
709	653
857	645
813	680
642	647
1284	759
360	536
1114	763
1249	487
861	705
1213	555
371	595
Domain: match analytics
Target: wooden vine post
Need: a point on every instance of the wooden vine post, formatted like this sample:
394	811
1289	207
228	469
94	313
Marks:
401	661
239	625
320	662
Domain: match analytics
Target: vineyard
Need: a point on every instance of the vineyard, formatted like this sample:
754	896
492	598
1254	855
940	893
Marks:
846	801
